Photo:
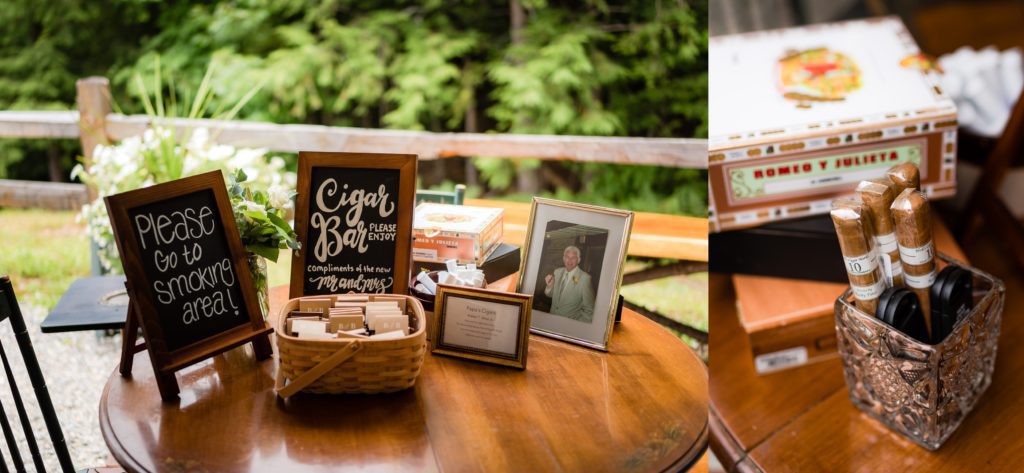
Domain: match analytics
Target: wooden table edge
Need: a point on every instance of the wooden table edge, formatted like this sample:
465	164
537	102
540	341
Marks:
693	455
700	443
726	446
124	459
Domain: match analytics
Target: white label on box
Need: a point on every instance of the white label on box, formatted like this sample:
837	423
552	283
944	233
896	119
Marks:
916	256
429	254
780	360
821	206
746	217
863	264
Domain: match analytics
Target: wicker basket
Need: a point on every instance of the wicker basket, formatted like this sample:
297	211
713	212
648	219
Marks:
350	366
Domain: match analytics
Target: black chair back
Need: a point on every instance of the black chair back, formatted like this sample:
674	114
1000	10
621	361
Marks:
9	310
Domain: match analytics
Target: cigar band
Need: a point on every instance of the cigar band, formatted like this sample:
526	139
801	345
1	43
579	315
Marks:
920	282
867	293
863	264
897	268
919	255
886	243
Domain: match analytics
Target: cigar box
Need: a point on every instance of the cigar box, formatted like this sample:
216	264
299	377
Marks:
443	232
791	322
773	248
802	115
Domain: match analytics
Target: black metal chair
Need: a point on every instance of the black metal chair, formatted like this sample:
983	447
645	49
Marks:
9	310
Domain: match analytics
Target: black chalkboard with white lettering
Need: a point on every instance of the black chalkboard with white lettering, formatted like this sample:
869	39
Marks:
354	220
189	284
191	276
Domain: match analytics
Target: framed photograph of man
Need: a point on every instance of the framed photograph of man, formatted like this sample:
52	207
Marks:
572	265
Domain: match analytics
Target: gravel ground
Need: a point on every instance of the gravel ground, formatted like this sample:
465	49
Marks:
76	366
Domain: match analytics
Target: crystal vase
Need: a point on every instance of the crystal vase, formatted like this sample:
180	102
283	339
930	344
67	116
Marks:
258	268
919	390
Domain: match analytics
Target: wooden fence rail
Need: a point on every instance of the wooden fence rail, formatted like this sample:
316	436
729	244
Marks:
669	152
42	195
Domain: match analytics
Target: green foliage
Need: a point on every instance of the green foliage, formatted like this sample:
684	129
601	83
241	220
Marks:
42	54
261	218
550	82
646	188
590	67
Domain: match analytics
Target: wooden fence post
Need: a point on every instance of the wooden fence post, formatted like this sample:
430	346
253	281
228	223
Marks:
93	108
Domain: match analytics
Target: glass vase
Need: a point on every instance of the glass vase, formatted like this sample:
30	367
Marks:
258	268
919	390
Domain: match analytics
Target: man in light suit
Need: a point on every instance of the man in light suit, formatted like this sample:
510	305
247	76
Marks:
569	288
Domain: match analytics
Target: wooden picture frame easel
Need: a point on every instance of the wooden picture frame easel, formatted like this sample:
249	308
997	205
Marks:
403	164
143	309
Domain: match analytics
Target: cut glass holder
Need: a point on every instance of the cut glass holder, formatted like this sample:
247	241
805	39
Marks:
921	391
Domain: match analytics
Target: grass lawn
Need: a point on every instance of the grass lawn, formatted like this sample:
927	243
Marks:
43	252
46	250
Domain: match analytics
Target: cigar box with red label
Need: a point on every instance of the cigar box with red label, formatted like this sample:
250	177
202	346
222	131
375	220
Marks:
464	233
801	115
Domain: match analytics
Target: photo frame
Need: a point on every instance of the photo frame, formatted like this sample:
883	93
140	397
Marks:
572	265
482	325
353	217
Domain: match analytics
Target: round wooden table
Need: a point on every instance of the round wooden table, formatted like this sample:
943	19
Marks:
640	407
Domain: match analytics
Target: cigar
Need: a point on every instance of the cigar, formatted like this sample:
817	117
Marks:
878	196
852	220
914	237
904	176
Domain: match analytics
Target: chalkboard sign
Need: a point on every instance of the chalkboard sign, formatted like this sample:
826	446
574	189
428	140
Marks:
188	280
354	219
186	256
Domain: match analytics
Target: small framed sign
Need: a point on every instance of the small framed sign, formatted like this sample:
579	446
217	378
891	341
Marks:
188	281
354	220
482	325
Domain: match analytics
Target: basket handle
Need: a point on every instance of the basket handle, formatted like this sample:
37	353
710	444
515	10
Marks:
314	373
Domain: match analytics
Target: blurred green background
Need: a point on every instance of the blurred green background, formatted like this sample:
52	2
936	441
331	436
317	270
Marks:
592	67
581	67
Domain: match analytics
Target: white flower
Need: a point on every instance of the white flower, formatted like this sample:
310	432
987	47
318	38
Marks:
251	206
278	197
197	142
124	166
220	152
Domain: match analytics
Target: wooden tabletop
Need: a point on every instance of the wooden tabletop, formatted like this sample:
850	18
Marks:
640	407
654	235
801	419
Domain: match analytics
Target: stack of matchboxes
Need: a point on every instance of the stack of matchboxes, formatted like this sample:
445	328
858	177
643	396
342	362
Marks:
323	318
